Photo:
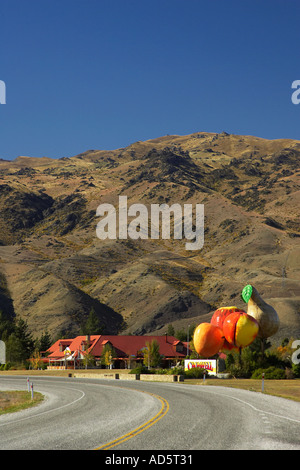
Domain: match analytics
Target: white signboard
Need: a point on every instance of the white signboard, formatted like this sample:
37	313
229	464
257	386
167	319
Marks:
208	364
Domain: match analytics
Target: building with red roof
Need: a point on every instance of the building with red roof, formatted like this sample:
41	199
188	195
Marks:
128	350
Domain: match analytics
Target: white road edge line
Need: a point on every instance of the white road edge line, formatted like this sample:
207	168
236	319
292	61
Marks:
252	406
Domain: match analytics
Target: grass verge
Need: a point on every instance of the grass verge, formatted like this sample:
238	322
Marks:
15	400
281	388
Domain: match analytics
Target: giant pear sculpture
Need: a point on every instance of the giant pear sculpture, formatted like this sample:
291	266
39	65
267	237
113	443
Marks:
264	313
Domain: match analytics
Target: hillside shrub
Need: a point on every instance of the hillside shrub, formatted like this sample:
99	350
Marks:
296	370
241	365
177	370
270	373
140	369
162	371
195	373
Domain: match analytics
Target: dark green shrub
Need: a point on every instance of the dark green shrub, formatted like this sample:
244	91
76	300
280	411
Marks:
195	373
177	370
160	371
140	369
270	373
296	370
239	372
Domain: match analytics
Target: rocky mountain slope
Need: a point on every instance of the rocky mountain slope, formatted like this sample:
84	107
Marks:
54	268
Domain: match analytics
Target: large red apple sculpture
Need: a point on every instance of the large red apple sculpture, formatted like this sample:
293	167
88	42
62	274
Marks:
221	313
218	319
240	329
208	339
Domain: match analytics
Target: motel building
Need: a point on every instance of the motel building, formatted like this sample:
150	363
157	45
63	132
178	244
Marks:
128	351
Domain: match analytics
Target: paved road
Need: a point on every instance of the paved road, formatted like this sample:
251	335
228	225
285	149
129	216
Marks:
122	415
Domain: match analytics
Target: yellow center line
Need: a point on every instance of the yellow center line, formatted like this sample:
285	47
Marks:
162	412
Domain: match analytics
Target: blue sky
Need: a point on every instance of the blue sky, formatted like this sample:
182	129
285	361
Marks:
101	74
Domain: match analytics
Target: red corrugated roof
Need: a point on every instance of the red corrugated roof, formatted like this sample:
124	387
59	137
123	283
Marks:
124	345
74	344
131	345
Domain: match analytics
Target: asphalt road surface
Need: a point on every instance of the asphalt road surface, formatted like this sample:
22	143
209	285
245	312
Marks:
90	414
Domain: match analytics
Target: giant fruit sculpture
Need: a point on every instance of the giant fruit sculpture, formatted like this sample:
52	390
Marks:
208	339
221	313
231	328
240	329
264	313
218	319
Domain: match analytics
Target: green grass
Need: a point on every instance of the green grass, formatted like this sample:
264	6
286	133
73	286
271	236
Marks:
11	401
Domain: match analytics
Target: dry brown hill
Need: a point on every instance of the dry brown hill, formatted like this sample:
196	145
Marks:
55	269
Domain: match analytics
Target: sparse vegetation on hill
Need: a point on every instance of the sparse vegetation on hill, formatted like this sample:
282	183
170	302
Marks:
54	269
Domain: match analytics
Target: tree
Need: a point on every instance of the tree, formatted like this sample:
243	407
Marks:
185	333
181	335
36	360
192	351
108	354
92	326
17	337
6	326
170	330
44	342
151	354
241	364
24	337
88	359
285	350
14	349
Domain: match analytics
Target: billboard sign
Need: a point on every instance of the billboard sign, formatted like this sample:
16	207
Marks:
208	364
